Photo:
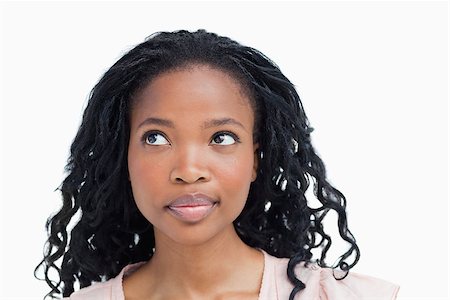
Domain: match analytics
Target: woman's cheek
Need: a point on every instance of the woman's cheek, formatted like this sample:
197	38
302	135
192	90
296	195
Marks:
227	169
236	173
145	178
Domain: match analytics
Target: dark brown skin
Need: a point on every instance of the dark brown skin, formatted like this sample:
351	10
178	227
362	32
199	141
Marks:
206	259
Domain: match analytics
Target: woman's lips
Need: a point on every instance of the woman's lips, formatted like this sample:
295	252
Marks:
192	208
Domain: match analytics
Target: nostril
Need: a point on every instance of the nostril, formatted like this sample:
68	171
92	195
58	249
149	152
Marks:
179	180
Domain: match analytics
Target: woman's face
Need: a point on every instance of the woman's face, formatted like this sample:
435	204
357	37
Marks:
191	155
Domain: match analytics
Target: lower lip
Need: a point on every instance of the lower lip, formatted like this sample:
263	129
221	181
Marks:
191	214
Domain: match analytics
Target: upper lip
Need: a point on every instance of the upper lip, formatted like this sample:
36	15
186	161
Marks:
192	199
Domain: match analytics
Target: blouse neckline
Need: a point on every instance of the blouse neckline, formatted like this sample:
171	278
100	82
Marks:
268	265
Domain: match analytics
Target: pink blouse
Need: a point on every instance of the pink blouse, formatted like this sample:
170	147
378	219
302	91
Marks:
320	284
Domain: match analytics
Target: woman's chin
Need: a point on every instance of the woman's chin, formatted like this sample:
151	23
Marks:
193	235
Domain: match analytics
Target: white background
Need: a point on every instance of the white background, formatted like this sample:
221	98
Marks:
373	77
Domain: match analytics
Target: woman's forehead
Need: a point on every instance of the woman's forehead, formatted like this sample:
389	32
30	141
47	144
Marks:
194	90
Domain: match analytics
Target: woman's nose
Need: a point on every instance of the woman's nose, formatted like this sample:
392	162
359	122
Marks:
190	165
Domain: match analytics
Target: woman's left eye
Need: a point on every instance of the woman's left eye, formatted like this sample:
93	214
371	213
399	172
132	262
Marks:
225	138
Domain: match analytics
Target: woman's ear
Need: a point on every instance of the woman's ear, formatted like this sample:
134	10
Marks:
255	161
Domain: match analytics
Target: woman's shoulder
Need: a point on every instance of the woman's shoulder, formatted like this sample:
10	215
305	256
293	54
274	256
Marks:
108	290
321	284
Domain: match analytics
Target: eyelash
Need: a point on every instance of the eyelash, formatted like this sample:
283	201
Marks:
145	136
234	136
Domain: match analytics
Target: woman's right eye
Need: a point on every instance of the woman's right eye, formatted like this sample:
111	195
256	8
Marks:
155	138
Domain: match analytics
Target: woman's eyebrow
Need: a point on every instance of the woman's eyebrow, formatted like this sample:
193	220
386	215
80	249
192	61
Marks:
157	121
207	124
219	122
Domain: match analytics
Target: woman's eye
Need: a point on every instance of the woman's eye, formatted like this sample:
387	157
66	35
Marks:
155	138
224	139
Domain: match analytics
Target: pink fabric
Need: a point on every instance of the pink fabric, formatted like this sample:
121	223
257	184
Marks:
320	284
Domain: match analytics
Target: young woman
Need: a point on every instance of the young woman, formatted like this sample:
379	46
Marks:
189	172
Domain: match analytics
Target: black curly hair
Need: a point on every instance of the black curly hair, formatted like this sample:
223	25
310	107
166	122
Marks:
112	233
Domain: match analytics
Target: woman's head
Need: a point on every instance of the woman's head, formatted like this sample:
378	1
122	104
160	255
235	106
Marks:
159	79
191	132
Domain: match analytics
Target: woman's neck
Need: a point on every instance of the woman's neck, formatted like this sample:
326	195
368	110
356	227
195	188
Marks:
223	265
